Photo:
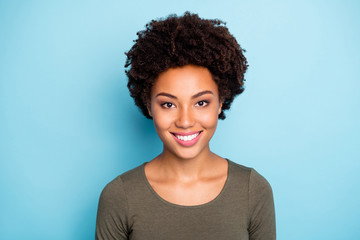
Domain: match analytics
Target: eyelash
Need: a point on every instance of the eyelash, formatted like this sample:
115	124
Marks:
205	103
165	104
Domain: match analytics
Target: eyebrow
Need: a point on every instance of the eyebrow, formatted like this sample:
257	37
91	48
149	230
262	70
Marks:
194	96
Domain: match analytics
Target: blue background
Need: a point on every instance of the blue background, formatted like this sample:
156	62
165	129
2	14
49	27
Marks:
68	125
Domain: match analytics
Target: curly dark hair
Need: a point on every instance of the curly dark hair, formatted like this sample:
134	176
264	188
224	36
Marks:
179	41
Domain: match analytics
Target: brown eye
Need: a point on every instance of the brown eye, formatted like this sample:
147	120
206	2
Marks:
202	103
167	105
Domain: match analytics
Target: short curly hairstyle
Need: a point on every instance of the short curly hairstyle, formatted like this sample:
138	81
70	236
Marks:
178	41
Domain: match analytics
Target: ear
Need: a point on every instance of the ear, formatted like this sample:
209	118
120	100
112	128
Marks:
220	107
149	109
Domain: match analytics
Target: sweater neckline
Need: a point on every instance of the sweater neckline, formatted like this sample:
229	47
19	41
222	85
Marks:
212	201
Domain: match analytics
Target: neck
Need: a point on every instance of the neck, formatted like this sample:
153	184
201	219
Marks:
186	169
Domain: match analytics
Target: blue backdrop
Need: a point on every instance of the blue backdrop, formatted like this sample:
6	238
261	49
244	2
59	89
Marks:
68	125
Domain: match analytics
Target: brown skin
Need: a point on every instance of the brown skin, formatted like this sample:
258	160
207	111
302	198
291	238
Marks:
186	175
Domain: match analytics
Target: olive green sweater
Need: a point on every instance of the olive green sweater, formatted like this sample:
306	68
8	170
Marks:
129	208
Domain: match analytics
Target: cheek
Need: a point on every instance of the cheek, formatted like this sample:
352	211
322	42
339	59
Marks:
209	119
161	121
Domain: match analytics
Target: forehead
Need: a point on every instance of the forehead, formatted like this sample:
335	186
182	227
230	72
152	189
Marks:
185	81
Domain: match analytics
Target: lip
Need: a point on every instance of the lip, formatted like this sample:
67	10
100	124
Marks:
186	143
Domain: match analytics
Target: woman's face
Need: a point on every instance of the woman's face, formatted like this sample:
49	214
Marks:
185	107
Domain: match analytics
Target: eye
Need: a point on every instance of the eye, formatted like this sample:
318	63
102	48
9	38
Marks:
167	105
202	103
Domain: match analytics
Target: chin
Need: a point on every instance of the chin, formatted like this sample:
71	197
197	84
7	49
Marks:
187	156
187	153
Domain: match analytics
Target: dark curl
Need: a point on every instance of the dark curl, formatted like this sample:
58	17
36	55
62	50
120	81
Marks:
179	41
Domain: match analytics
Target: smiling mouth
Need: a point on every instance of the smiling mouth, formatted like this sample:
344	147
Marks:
187	139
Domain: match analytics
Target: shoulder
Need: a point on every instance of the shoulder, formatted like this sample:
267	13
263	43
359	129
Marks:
118	187
250	175
238	168
250	183
261	212
239	174
258	184
113	216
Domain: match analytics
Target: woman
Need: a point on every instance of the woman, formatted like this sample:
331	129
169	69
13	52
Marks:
184	73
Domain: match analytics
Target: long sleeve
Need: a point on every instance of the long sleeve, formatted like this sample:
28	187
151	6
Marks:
261	209
111	221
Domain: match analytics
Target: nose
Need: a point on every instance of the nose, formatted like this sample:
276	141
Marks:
185	118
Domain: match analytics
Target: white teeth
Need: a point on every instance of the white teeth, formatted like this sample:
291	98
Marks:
187	138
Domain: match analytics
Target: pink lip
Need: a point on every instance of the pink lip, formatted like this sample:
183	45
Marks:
186	143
